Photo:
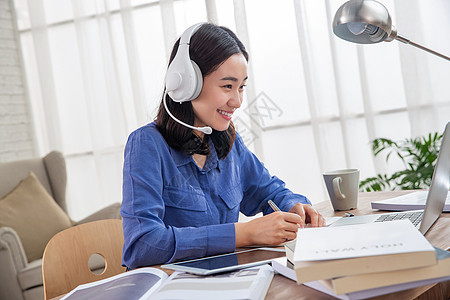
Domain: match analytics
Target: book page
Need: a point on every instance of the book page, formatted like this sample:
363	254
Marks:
328	222
250	283
136	284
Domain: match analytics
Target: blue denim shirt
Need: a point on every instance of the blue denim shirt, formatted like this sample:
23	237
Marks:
174	210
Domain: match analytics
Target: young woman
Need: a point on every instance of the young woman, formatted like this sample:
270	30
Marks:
183	189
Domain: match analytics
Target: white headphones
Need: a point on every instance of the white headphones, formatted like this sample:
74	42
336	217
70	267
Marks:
184	80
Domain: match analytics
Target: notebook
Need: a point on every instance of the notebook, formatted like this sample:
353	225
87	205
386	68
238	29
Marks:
409	201
436	198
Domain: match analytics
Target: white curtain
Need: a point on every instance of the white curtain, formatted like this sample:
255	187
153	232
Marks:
95	72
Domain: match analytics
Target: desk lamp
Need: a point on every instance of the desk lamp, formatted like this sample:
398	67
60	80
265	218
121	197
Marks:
369	22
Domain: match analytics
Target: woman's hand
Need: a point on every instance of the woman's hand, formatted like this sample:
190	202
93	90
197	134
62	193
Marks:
308	215
277	227
271	229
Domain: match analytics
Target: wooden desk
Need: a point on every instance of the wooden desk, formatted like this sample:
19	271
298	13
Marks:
438	235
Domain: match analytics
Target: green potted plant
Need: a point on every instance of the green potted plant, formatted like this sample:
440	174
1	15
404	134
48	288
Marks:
419	157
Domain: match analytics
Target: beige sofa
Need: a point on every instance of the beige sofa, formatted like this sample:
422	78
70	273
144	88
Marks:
20	278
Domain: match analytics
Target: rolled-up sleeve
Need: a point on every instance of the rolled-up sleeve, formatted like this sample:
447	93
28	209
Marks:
204	241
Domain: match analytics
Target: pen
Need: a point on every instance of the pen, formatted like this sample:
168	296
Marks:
274	206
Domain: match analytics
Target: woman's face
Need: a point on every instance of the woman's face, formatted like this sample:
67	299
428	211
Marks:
221	94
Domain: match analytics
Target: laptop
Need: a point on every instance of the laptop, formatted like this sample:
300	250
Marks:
422	219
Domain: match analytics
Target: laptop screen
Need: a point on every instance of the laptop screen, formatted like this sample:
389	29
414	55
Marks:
439	184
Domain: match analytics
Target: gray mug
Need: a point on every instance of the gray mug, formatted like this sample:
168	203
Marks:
342	186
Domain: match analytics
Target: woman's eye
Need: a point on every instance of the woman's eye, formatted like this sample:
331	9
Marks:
228	86
242	86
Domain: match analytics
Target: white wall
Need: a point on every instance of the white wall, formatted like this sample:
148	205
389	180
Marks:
16	138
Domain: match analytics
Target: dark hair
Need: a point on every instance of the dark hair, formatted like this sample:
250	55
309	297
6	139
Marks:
210	46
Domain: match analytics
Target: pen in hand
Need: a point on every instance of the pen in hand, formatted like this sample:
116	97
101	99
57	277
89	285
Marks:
274	206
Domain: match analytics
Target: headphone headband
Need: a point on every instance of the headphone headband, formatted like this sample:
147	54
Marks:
187	34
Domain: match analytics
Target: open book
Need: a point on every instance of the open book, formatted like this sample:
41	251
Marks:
151	283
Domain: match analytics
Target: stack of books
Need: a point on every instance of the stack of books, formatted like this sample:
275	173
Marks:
365	257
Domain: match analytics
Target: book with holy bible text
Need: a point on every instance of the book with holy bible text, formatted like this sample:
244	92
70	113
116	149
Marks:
330	252
151	283
353	283
283	267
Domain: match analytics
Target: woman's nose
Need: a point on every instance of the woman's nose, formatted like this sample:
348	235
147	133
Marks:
236	100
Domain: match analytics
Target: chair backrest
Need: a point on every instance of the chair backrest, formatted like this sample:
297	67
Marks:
66	256
50	170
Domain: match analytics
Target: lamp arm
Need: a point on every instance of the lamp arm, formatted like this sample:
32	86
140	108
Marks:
406	41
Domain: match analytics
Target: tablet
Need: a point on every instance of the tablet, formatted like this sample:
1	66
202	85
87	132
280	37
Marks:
227	262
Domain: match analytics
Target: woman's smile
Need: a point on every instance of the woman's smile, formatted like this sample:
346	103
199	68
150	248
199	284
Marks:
226	115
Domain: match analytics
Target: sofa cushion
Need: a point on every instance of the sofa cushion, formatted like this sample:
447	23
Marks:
33	214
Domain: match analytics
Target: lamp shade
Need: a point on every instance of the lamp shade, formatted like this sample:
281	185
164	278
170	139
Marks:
363	22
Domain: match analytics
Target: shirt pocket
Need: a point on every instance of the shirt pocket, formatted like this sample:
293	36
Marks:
232	197
188	198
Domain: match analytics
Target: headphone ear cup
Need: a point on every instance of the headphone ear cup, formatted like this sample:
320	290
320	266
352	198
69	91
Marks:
198	81
184	80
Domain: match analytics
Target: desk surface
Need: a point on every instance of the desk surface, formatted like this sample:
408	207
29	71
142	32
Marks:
438	236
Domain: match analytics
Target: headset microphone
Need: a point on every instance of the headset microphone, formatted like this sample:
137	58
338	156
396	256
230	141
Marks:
205	130
184	79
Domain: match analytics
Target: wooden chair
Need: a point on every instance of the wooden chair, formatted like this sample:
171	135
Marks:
66	256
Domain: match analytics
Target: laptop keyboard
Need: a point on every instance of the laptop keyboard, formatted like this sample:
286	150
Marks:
414	217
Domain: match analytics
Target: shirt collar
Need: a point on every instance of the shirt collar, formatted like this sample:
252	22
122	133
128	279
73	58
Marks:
212	161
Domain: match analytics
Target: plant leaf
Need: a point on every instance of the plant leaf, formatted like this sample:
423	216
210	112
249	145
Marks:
419	156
